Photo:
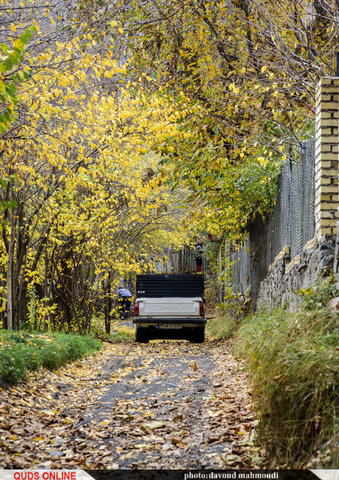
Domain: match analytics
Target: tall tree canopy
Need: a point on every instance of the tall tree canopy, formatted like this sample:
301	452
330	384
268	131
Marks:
123	116
83	207
250	69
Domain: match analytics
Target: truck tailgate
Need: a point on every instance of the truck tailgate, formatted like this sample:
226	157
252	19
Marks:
169	307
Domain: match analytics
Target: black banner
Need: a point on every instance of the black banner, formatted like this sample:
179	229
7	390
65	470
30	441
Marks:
202	474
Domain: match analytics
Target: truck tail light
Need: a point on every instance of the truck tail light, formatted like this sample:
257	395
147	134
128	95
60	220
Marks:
201	309
136	309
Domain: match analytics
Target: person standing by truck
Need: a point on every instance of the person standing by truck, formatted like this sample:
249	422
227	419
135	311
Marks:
198	257
124	301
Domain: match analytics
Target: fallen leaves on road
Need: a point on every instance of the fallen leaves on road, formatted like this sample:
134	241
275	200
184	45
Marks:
169	404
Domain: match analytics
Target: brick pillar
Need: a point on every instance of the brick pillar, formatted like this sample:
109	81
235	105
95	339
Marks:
326	157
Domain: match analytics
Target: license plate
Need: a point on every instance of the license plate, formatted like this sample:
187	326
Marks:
169	325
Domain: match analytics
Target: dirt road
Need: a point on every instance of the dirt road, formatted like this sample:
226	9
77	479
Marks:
167	404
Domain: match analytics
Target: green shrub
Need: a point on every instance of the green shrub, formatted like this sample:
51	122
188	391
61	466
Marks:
21	352
292	362
319	294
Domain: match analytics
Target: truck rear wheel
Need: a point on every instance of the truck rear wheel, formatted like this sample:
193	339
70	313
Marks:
198	335
141	335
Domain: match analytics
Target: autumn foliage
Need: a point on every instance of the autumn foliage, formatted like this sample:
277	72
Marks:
127	127
83	205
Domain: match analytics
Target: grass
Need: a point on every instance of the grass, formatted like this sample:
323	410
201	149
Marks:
123	336
223	325
120	332
293	363
21	352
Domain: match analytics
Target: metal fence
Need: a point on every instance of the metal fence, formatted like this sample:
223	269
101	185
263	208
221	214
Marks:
185	260
292	222
240	259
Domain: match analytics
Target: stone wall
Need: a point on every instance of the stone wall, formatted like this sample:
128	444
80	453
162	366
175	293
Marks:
286	277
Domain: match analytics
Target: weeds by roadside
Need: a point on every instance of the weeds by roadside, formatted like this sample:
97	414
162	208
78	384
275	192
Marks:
21	352
319	294
293	363
120	332
223	325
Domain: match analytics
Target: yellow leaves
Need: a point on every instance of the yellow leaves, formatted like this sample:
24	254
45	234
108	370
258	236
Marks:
57	92
18	44
234	88
86	154
64	81
81	76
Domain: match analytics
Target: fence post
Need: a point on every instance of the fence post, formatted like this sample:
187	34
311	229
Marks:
326	157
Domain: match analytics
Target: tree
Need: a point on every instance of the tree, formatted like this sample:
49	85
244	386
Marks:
86	202
10	75
250	70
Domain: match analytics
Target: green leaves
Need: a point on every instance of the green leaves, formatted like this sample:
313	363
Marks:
10	75
4	183
241	93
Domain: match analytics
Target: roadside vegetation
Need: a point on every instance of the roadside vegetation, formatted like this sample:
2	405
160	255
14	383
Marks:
23	352
292	362
120	332
223	325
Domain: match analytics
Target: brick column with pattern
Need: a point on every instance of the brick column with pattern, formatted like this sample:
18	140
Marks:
327	157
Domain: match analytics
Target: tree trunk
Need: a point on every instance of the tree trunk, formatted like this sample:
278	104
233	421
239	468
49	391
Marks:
258	249
108	304
220	285
9	279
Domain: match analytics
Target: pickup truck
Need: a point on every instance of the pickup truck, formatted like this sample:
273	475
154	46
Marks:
169	306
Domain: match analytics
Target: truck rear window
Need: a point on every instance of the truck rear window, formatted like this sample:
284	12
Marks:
163	285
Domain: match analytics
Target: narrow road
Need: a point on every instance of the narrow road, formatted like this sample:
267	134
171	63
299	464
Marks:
167	404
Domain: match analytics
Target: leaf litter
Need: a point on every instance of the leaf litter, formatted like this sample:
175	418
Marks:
167	404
